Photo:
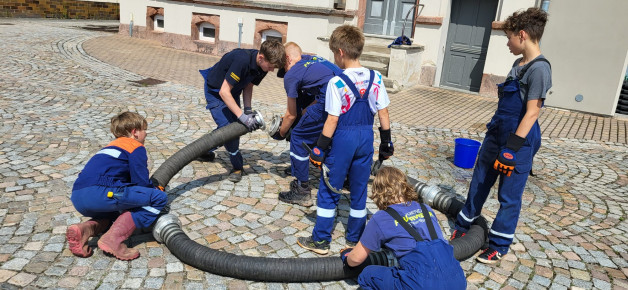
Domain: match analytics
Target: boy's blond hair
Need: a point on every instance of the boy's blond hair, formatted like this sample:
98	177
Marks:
292	49
123	124
390	186
348	38
532	21
274	52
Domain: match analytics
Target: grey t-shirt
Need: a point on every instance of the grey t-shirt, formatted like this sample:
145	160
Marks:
536	81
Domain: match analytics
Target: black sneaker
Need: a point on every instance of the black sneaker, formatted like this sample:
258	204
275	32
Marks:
489	256
207	157
288	171
235	175
297	195
350	244
319	247
457	234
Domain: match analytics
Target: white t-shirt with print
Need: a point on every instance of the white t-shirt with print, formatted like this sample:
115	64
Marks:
340	98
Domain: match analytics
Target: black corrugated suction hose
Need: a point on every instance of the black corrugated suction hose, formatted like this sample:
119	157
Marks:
168	231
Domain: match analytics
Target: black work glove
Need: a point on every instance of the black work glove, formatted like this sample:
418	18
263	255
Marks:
317	155
343	255
506	159
386	148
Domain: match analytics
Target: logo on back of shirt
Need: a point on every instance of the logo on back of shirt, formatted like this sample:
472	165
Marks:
235	77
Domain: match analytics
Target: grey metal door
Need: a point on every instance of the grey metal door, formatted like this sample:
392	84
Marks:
467	43
386	17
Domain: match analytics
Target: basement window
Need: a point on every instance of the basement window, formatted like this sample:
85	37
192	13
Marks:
207	32
272	34
159	23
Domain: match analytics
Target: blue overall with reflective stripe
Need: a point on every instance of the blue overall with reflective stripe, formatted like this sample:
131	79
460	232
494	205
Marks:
351	155
510	111
223	117
310	125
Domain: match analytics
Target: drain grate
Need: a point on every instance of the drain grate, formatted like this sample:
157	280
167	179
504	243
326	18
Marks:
148	82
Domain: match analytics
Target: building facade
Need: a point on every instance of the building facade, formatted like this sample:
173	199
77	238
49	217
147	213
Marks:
462	44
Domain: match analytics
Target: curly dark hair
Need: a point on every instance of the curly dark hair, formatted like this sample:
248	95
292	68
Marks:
532	21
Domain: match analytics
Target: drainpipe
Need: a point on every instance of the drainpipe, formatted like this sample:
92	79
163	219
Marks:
545	5
131	26
239	31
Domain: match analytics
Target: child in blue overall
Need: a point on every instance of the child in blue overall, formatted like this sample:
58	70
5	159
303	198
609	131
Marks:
116	180
345	145
305	81
513	136
426	260
235	74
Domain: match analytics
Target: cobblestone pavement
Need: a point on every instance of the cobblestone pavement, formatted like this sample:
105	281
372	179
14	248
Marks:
55	103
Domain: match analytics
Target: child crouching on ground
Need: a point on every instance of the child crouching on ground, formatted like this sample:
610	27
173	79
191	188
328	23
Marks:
426	259
114	181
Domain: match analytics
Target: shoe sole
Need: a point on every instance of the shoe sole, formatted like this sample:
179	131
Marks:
318	251
305	204
486	261
74	236
105	248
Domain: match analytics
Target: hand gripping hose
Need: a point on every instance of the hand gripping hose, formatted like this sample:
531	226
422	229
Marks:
168	231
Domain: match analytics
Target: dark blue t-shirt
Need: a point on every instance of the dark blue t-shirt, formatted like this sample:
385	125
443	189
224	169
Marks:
384	231
239	68
307	79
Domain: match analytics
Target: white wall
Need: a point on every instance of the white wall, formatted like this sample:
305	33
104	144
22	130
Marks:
302	28
498	57
586	44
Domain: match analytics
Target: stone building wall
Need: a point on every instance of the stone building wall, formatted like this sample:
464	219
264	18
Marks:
70	9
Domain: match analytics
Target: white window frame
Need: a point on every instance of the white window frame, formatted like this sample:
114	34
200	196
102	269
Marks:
155	21
200	32
271	33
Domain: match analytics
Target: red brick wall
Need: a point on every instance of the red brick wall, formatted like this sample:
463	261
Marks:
73	9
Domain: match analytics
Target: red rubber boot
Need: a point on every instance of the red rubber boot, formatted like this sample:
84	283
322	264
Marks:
78	235
112	241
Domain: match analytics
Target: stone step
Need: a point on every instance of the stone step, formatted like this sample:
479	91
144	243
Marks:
380	67
374	47
376	57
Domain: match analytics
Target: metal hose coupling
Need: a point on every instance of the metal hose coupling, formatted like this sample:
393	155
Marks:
166	227
260	120
274	125
431	194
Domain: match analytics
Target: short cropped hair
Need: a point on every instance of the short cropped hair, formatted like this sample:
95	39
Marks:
390	186
532	21
274	52
348	38
123	124
292	47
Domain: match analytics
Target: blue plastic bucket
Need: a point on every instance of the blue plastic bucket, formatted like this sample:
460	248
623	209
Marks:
465	152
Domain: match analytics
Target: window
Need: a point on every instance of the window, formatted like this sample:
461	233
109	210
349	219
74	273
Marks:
207	32
272	34
159	23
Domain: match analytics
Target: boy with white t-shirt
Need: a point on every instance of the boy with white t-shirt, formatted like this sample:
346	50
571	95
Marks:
352	100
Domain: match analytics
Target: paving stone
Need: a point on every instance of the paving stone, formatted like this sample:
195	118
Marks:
63	84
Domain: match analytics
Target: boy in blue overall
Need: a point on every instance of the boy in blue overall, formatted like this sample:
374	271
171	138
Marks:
116	180
426	260
513	136
236	73
305	81
351	101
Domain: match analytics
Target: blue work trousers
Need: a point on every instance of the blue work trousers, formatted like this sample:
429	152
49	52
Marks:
144	203
351	155
431	265
307	130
